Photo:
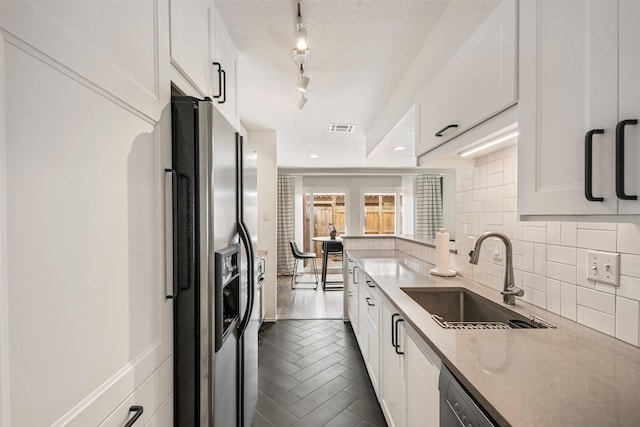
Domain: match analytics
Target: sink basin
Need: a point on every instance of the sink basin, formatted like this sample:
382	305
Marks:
459	308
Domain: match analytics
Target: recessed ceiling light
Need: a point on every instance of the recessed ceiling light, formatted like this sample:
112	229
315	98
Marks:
314	156
399	148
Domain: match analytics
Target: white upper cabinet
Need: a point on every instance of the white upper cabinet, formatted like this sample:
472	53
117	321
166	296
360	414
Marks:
579	63
224	74
476	84
191	31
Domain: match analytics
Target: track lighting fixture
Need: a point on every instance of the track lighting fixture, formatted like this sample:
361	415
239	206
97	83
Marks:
301	38
304	80
302	101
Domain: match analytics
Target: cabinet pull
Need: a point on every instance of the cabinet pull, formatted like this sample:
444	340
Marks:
588	165
393	329
224	87
355	267
444	129
370	285
174	239
397	345
138	413
620	160
217	64
369	303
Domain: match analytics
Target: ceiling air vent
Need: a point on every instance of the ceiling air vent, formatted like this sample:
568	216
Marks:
341	128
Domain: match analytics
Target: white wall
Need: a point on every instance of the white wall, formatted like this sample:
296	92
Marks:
549	258
264	142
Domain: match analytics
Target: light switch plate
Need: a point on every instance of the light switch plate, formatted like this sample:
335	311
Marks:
603	267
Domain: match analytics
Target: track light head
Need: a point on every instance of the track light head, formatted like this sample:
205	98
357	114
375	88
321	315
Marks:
302	101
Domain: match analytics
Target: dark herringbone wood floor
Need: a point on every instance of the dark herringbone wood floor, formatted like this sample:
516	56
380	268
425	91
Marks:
311	374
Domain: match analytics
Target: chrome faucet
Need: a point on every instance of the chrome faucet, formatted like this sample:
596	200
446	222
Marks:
510	290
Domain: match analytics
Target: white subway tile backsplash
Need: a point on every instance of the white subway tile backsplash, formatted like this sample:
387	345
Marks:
549	257
527	256
581	269
596	300
510	169
510	204
534	281
495	166
629	287
568	303
553	233
630	265
603	240
563	272
611	226
597	320
534	234
553	296
540	258
629	238
627	320
561	254
568	233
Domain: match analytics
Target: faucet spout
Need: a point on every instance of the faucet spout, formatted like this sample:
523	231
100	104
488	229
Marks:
510	290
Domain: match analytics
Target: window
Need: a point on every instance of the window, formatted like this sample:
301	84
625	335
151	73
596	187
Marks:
379	213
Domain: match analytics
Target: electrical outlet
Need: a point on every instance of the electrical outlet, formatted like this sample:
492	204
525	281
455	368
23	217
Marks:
603	267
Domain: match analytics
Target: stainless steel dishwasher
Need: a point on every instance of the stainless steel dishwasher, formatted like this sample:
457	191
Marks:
457	407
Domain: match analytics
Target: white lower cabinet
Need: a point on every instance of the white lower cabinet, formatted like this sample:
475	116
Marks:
423	371
393	371
409	374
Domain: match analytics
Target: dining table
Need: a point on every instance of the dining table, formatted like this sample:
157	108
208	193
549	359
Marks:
329	246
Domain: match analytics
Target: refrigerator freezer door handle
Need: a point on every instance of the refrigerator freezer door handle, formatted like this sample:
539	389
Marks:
170	255
246	241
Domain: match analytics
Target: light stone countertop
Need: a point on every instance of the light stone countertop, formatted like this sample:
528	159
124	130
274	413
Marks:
569	376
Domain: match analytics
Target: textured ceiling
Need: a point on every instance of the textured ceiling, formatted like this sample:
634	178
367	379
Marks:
359	51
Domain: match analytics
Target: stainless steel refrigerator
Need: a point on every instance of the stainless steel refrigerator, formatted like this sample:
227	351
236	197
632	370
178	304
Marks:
215	225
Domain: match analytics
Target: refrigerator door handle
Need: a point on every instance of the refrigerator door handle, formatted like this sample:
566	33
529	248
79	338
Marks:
170	255
246	241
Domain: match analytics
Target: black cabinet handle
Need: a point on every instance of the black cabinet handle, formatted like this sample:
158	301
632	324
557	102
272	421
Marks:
444	129
138	413
393	329
369	303
217	64
370	285
397	345
588	165
222	84
620	159
224	87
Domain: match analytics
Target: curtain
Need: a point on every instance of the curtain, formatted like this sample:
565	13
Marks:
429	205
285	230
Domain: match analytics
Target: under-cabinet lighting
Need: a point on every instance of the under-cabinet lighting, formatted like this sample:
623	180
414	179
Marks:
489	144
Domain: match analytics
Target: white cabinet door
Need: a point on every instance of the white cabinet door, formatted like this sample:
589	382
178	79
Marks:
568	87
352	297
478	82
225	75
373	340
423	370
392	379
629	99
363	321
87	319
190	35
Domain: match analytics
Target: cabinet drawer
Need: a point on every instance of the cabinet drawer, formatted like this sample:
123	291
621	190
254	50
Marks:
151	395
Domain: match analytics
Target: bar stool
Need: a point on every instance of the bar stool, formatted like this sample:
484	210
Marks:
332	248
299	255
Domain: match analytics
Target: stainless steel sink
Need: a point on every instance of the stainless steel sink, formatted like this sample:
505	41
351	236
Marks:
459	308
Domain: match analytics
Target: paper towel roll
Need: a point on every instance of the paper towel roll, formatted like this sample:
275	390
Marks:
442	251
442	255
